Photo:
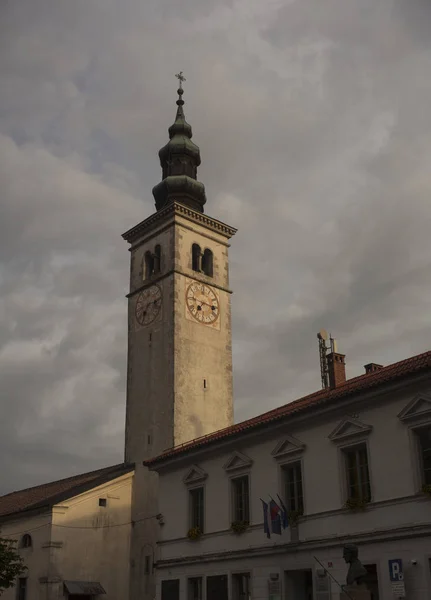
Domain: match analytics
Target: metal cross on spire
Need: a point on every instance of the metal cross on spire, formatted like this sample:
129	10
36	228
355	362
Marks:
181	78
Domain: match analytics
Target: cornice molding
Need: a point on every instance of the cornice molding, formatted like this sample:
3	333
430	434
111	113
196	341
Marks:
201	279
172	210
288	446
237	461
195	475
419	408
349	429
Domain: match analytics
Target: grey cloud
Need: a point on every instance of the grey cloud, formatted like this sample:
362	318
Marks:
313	124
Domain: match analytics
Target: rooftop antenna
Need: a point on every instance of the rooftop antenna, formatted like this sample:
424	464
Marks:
322	336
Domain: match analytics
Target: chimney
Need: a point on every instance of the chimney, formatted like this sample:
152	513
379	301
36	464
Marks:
372	368
336	368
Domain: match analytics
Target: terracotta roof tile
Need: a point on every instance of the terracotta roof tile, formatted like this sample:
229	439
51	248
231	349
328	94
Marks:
49	493
391	373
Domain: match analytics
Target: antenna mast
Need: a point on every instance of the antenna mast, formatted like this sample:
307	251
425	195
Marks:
322	336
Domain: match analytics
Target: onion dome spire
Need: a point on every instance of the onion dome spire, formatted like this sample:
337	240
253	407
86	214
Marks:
179	160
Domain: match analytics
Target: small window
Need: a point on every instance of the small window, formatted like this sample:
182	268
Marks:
197	508
147	565
149	264
195	588
424	438
22	588
240	499
196	258
26	541
207	263
241	586
157	258
102	501
292	481
358	478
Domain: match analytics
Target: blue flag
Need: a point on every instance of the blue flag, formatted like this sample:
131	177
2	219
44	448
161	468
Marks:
284	518
265	519
275	510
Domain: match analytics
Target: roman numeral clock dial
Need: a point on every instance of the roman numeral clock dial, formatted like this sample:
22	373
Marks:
148	305
202	303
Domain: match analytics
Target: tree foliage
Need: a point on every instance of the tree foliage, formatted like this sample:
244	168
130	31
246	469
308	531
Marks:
11	564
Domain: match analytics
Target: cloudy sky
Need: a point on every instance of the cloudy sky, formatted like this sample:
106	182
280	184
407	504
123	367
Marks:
313	120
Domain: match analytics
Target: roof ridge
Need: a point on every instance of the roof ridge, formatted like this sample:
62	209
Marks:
71	478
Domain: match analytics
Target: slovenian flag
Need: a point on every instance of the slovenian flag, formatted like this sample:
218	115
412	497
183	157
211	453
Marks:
265	519
284	518
274	511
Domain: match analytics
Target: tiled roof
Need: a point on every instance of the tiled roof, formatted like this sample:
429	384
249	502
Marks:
363	383
56	491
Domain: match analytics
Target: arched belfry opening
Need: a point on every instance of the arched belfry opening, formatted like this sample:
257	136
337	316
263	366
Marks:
196	258
148	264
207	262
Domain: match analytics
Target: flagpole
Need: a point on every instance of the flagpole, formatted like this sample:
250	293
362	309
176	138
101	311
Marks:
333	578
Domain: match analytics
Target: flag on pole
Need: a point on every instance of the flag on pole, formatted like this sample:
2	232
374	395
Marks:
284	517
265	519
275	510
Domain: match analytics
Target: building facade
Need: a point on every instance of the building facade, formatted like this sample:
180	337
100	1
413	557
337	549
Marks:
73	535
351	464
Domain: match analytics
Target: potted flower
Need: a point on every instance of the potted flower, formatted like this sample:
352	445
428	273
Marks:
194	533
239	527
293	517
356	503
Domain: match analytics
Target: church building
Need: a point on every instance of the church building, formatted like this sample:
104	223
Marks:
205	509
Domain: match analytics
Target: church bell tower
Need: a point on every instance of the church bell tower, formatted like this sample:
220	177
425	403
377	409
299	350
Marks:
179	372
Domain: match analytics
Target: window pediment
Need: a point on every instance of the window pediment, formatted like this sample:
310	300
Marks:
287	446
349	429
418	408
237	461
195	475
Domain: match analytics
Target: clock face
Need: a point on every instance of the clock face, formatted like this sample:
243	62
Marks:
148	305
202	303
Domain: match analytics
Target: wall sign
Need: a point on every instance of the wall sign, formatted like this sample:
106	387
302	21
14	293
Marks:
396	576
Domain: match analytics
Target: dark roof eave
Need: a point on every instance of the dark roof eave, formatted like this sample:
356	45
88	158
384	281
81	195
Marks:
50	501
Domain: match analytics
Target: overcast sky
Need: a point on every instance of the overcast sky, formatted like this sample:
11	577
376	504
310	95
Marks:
314	123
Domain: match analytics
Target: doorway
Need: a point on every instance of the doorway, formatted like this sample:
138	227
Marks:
299	584
372	581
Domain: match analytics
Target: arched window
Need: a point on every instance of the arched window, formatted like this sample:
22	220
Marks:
26	541
207	263
149	264
157	259
196	258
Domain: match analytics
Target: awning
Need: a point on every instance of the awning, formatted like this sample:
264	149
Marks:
84	588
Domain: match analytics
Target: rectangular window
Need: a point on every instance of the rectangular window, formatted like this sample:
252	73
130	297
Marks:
240	499
197	508
424	437
292	482
195	588
22	588
170	589
358	478
217	587
241	586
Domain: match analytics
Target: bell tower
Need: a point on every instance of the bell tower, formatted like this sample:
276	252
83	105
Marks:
179	371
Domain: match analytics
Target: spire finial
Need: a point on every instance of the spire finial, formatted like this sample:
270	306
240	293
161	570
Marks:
181	78
180	91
